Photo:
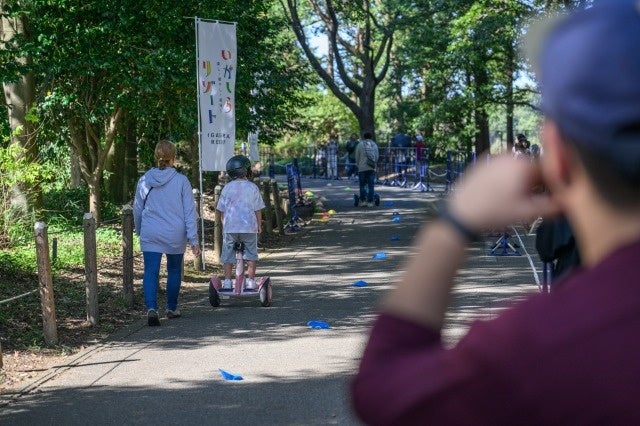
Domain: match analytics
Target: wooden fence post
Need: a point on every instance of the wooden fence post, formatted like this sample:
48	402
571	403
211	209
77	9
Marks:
54	250
91	268
217	226
127	255
275	193
45	282
198	261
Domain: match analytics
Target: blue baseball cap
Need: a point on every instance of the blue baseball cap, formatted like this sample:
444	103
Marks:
588	66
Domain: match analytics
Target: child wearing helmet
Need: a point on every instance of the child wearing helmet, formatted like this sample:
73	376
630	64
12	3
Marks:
240	205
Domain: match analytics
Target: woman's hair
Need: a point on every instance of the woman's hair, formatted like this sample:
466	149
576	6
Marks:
164	153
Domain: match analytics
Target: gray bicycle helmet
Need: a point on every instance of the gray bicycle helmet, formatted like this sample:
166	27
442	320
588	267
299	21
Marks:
238	166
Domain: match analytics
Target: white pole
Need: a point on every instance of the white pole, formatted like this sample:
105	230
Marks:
204	266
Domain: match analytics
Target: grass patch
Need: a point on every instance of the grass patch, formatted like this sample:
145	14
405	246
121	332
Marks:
21	319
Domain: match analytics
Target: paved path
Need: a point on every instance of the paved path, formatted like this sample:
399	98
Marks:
293	375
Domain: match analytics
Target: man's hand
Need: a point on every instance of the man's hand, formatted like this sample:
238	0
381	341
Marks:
500	193
492	195
195	249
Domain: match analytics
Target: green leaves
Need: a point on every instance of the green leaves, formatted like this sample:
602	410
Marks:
15	170
457	59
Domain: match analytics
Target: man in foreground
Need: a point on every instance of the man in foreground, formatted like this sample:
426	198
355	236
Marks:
569	357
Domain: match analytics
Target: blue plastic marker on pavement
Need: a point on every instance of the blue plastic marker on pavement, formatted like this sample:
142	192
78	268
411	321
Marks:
380	255
360	283
395	219
229	376
394	238
316	325
388	203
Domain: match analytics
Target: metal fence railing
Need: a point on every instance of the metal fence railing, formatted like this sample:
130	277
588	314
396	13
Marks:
404	167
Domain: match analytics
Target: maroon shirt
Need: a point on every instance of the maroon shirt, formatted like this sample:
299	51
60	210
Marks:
567	358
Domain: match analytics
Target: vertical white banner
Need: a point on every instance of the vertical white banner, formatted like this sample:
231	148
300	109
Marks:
216	50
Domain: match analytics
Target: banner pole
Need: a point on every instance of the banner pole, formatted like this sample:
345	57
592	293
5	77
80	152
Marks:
202	251
216	77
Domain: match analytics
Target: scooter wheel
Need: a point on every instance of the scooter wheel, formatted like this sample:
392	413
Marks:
356	200
214	297
265	294
376	199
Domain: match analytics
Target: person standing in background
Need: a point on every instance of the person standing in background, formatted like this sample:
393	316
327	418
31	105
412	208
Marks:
332	159
420	150
367	157
352	166
321	161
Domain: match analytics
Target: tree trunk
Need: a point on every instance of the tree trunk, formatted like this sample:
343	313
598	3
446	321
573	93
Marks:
130	159
397	125
482	137
482	131
95	198
119	168
330	60
510	123
92	148
371	59
19	98
510	67
194	153
76	173
366	118
113	166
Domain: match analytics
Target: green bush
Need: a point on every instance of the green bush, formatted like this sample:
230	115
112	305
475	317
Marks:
66	207
18	176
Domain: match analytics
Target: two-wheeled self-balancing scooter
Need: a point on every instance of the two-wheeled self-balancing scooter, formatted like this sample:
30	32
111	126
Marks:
262	287
356	199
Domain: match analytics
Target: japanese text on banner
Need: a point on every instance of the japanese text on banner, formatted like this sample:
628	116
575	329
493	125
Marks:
216	92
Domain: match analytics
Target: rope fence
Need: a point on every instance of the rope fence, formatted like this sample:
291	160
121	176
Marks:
90	268
20	296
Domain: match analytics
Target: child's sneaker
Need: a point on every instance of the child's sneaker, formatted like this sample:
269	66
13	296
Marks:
227	284
250	284
152	317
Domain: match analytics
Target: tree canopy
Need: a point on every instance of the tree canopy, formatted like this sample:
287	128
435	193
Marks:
99	65
109	78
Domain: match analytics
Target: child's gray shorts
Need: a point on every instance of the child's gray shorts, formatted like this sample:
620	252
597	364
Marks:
250	247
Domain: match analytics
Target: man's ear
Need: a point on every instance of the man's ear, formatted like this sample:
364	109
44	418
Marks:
558	161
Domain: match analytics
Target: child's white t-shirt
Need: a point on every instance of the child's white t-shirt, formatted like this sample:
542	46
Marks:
239	201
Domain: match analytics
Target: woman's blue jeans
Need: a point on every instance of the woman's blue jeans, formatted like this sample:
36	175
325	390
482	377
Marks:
151	276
